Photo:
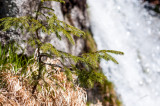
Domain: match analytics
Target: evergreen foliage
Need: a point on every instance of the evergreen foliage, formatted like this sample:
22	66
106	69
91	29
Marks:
84	66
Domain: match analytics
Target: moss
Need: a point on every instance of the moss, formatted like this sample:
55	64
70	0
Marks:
103	92
90	43
118	102
109	95
88	103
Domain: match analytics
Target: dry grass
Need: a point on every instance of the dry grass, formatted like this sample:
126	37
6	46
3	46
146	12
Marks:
53	89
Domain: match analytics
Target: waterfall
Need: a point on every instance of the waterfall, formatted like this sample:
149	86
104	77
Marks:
127	26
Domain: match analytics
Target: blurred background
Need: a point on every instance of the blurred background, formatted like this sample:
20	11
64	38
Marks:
131	26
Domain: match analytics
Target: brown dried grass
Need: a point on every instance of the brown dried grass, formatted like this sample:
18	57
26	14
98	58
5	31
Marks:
53	90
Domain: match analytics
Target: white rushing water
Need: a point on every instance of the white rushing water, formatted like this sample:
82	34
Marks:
126	25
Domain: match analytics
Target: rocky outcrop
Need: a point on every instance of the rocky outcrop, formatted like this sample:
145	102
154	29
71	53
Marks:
73	12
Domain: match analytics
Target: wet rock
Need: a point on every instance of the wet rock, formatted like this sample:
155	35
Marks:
155	2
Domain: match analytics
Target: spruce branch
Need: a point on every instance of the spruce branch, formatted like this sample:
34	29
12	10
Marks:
85	66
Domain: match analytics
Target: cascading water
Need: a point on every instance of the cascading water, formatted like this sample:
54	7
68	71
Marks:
127	26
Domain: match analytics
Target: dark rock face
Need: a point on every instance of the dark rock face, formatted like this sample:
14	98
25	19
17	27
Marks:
70	4
73	12
76	9
8	8
155	2
153	7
